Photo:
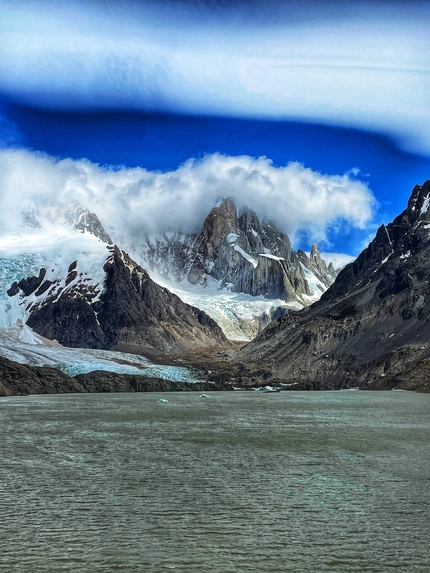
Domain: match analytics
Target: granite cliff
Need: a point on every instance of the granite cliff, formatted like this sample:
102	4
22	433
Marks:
244	254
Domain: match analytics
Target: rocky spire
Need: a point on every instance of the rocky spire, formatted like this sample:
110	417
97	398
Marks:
83	220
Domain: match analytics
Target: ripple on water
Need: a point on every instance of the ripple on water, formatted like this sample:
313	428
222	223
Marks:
319	482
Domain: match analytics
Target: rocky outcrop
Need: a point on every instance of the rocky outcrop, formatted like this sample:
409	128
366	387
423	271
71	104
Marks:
372	326
20	380
129	310
86	222
317	265
244	254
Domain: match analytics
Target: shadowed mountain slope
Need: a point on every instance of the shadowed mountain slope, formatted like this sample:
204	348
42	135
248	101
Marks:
123	308
371	328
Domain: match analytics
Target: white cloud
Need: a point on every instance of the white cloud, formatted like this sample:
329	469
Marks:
137	201
365	65
339	260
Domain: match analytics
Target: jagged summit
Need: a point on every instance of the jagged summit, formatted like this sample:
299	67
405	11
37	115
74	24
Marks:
83	220
372	326
315	263
244	254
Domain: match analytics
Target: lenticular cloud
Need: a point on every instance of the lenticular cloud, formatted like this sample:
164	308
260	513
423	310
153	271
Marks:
135	201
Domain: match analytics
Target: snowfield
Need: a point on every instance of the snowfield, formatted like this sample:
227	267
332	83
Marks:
238	314
54	248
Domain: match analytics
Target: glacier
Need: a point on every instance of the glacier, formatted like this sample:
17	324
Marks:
21	256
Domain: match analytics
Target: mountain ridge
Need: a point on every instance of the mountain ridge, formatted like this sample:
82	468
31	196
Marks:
243	255
371	328
124	308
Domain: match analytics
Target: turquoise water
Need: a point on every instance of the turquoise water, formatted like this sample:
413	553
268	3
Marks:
239	482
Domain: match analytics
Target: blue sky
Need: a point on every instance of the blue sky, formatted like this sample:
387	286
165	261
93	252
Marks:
340	88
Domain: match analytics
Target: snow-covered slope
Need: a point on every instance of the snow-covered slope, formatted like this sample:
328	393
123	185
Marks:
240	315
53	248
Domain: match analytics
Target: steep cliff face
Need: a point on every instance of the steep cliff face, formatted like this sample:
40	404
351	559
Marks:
244	254
372	327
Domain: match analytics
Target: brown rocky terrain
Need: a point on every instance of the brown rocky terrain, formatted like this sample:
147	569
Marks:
372	327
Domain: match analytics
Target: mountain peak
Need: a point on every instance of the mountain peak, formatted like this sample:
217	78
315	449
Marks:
228	205
85	221
315	253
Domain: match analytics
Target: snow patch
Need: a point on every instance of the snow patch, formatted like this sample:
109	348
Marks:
231	238
315	285
426	204
388	236
386	258
246	256
272	257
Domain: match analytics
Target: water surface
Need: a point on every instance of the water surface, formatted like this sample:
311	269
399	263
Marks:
239	482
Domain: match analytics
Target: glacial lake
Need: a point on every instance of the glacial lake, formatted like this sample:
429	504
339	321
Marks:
333	482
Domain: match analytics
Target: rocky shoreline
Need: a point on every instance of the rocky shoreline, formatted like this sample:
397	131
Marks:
219	368
21	380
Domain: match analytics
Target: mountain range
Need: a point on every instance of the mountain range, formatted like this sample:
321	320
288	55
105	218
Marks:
365	326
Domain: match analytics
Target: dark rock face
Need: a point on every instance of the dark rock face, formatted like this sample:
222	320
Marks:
19	380
372	326
27	286
132	311
243	253
135	311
